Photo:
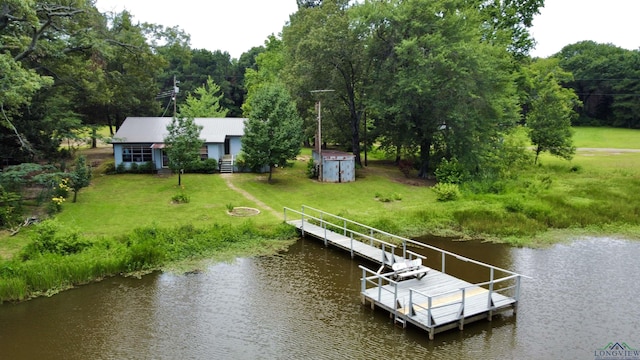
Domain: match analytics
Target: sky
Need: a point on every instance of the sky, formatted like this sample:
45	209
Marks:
235	26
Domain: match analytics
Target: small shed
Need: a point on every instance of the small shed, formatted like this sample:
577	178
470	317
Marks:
337	166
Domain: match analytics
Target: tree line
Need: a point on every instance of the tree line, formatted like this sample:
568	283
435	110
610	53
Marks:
432	82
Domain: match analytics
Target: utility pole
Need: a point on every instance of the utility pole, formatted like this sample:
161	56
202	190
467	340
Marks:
319	139
176	90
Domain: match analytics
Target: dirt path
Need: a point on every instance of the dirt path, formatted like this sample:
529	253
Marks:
609	150
227	179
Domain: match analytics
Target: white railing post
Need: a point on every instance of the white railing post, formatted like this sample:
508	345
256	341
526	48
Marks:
443	261
395	301
404	249
461	314
325	233
351	246
429	311
410	309
490	288
345	228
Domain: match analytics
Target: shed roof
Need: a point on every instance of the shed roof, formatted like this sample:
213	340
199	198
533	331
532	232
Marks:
154	129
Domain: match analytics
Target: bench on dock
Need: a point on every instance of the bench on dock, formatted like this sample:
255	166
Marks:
409	268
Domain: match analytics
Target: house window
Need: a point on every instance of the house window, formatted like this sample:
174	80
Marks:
204	153
136	153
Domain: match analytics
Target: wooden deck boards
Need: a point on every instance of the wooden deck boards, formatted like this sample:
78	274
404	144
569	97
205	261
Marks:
444	290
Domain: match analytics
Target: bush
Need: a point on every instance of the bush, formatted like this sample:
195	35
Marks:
447	191
108	167
312	170
450	172
133	168
121	168
180	198
147	168
10	208
48	237
206	166
388	198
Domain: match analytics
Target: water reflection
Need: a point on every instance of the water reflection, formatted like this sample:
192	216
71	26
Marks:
306	304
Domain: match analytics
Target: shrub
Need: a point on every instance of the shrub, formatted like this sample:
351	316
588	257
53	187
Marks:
108	167
147	168
62	189
450	172
206	166
241	162
514	205
10	208
312	170
55	206
121	168
180	198
447	191
49	237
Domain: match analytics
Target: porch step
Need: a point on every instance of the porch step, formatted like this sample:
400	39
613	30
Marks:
164	172
226	167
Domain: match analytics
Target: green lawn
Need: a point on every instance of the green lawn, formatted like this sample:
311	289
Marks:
597	137
537	199
115	204
128	223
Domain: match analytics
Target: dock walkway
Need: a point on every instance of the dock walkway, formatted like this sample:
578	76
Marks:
434	302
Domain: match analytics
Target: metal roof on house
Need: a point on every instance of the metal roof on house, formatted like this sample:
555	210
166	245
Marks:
154	129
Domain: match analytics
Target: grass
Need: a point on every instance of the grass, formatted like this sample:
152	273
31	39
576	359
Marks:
127	201
132	223
597	137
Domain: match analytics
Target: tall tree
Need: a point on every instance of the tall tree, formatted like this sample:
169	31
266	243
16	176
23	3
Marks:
323	51
269	65
183	144
509	19
446	87
205	102
132	68
41	43
606	78
273	131
551	109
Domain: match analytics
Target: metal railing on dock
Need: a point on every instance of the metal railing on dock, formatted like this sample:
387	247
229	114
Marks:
392	249
436	303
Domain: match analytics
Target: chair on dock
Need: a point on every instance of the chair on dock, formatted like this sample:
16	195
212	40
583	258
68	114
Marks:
408	269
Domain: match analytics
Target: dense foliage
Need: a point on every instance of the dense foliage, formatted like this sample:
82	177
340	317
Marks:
606	79
183	144
428	81
57	257
273	133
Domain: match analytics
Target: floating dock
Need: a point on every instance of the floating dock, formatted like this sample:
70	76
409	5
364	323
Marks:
415	294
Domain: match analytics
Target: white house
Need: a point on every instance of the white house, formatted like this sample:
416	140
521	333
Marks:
141	139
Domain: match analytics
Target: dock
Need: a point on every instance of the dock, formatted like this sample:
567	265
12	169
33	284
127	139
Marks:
425	296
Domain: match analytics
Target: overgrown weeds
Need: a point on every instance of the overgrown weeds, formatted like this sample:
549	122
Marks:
58	258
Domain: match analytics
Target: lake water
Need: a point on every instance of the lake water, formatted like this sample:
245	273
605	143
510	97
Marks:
305	304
